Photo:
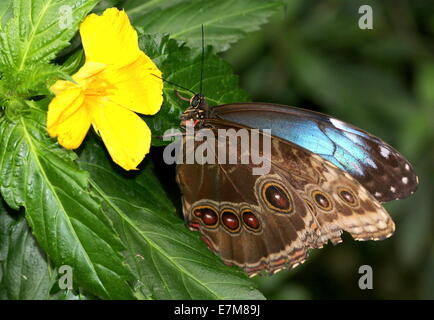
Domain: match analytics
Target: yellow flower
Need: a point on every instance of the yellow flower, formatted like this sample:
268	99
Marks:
115	81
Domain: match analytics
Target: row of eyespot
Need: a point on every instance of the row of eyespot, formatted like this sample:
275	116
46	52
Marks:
230	220
276	198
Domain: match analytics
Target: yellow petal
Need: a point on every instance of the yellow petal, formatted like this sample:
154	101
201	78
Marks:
110	38
62	85
68	120
63	105
88	71
125	134
81	77
138	86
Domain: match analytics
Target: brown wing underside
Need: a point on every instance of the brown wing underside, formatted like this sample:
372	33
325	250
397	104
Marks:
319	202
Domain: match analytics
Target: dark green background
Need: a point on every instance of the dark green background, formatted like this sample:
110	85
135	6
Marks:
314	56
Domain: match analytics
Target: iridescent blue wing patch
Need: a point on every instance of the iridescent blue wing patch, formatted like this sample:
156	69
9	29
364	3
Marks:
382	170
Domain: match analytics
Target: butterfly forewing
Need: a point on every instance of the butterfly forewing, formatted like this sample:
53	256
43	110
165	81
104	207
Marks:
382	170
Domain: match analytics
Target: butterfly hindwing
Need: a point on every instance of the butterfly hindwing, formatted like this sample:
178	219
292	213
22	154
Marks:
260	241
384	172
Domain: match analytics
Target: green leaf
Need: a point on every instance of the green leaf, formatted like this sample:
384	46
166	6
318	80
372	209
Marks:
27	273
5	11
181	65
136	8
224	21
33	80
74	62
6	221
65	218
38	29
168	260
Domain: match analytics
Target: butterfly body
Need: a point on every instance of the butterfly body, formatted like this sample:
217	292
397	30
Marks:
325	177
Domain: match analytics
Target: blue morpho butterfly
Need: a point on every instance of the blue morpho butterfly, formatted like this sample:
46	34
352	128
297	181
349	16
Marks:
326	176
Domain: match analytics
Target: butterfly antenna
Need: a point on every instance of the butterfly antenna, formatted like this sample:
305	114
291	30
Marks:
202	61
174	84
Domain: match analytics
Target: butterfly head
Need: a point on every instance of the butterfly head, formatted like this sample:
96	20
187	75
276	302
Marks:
197	111
197	101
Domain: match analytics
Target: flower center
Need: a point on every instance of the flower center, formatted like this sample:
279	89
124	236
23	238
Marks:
98	87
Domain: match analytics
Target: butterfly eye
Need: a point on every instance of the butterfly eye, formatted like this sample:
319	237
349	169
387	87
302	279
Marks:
276	198
230	220
208	216
322	200
250	220
347	196
195	101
